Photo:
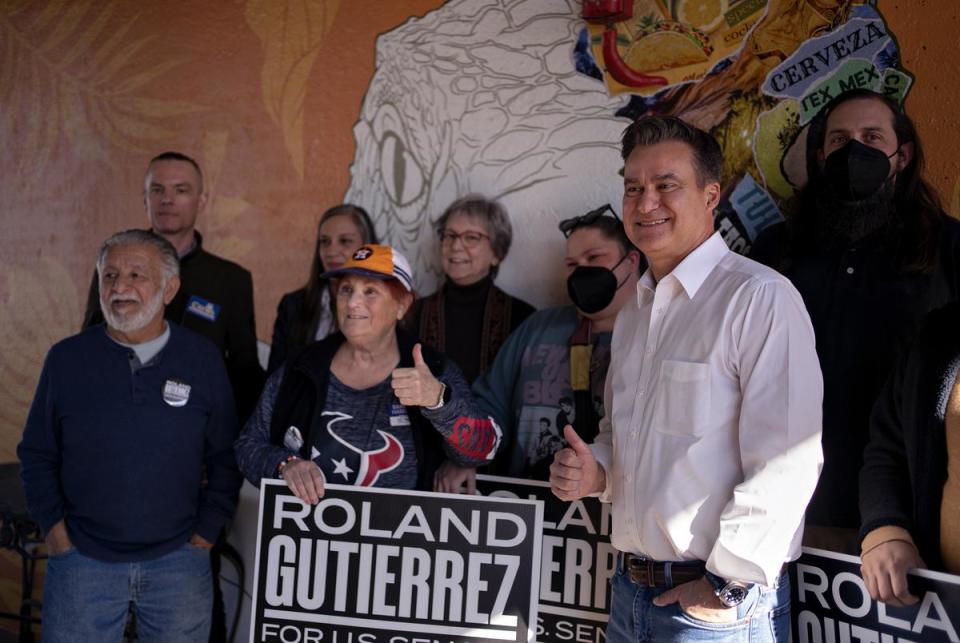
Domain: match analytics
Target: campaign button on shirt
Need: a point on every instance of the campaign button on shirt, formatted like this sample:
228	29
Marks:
203	308
176	392
398	415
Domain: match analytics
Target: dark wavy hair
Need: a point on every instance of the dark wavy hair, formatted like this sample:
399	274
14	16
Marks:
917	204
611	228
650	130
309	313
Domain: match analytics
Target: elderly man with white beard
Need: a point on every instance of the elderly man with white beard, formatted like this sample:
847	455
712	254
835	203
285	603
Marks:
127	459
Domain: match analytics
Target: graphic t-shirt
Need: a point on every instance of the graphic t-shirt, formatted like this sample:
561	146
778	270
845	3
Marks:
526	384
363	438
536	435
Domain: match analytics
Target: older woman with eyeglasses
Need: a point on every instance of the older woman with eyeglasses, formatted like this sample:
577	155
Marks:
469	318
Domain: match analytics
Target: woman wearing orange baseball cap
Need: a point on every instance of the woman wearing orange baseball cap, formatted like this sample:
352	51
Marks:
367	406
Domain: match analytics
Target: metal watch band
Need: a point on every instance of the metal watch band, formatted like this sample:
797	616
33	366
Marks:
439	405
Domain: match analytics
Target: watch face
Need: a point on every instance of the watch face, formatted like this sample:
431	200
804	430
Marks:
732	595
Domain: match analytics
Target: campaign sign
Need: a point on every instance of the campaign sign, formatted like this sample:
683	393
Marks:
832	604
577	560
369	565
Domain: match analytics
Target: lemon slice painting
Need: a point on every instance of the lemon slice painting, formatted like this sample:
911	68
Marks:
705	15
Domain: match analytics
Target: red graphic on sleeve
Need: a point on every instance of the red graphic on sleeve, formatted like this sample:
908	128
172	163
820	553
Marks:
475	438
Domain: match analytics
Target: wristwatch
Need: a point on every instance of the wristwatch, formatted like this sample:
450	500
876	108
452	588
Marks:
443	398
731	593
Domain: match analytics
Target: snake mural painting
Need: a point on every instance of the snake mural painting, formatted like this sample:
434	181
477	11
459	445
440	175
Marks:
525	100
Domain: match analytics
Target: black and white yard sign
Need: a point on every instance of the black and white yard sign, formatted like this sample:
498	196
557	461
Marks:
832	604
369	565
577	560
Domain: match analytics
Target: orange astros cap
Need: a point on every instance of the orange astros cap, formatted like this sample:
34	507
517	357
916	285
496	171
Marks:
379	262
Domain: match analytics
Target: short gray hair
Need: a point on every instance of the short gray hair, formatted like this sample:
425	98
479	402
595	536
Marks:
493	215
169	260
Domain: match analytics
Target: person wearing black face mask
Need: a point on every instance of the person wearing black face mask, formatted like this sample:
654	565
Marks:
855	171
592	288
857	196
872	252
554	365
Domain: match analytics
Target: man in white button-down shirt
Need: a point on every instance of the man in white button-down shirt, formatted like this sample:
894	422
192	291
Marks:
710	450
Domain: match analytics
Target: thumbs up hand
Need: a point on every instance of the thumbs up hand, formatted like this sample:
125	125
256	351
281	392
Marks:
416	386
575	473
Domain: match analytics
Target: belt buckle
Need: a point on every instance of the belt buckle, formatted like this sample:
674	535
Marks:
641	570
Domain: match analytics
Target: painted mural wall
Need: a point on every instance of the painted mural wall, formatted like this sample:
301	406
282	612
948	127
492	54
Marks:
402	105
525	101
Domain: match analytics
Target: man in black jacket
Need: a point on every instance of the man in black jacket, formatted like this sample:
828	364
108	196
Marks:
871	252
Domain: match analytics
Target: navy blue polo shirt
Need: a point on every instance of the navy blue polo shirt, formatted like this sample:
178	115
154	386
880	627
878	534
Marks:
122	453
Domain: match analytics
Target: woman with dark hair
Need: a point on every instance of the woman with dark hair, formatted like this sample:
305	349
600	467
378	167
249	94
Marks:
367	406
469	318
307	315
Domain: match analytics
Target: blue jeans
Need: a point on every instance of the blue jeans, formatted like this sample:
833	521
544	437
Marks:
87	600
763	616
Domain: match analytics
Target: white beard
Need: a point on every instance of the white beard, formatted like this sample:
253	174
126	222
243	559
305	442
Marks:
131	322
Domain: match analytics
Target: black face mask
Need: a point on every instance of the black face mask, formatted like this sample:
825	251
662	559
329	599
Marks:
592	288
856	171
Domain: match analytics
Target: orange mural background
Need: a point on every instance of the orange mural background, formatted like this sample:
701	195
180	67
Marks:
264	94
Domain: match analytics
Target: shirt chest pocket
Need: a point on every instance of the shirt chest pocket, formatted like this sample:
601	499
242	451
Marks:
682	400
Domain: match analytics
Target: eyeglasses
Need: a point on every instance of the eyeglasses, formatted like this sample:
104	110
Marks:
468	239
567	226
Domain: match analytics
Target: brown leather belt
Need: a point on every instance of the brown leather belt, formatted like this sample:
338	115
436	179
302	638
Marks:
654	573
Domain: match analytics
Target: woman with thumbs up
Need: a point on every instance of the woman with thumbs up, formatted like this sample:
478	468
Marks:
367	406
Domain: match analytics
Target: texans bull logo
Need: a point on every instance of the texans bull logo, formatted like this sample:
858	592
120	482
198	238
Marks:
344	463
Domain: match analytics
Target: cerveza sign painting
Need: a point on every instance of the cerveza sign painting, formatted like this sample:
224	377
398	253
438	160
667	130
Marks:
390	566
858	38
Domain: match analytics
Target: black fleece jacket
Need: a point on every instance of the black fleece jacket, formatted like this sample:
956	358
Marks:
905	462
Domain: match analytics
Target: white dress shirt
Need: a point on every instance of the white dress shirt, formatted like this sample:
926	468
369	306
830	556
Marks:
711	443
